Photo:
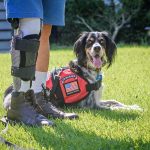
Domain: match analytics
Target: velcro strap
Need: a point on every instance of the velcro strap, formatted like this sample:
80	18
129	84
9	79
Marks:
26	45
25	73
94	86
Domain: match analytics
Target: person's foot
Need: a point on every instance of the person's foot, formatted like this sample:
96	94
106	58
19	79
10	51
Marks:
48	109
23	109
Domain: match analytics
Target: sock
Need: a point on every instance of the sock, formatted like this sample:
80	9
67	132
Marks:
25	86
40	78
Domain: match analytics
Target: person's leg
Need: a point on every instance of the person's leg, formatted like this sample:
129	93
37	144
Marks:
56	18
41	75
50	17
42	62
43	53
25	18
24	49
28	26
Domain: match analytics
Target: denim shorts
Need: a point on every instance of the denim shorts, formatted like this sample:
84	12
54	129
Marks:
51	11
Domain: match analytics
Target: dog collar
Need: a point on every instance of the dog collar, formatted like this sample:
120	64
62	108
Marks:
99	77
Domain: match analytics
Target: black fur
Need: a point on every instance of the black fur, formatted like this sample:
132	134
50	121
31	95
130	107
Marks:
111	48
79	48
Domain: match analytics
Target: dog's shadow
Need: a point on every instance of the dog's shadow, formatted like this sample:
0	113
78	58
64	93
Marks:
116	114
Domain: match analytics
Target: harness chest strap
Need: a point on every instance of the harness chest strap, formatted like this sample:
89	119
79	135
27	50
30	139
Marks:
94	86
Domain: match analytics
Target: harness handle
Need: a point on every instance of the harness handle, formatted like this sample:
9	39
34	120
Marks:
55	81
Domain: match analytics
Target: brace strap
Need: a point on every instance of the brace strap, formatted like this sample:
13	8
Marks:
24	72
26	45
14	22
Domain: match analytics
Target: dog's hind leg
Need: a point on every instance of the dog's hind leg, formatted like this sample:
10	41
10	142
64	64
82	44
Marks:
115	105
111	104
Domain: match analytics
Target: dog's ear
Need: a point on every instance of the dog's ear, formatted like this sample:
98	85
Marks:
111	48
79	48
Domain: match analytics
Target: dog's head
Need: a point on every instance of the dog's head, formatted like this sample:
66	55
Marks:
95	49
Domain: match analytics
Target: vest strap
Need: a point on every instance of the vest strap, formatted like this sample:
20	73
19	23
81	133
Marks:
94	86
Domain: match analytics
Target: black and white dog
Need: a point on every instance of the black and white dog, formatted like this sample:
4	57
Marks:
93	51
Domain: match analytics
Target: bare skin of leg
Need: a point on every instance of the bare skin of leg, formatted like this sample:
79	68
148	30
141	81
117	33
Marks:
42	62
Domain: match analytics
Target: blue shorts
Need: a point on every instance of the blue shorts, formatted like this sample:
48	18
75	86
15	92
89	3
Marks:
51	11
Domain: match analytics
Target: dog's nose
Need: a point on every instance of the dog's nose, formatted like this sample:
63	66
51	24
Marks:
97	48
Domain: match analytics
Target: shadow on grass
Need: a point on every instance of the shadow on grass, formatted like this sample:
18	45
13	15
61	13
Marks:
66	137
119	115
116	115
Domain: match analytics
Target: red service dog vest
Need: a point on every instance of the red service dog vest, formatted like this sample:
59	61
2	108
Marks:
68	87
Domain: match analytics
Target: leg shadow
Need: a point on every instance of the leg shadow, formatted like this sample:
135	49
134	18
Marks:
67	136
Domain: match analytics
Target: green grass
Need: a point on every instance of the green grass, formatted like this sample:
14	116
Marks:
128	81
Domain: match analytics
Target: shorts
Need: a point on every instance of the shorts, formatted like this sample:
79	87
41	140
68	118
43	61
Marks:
51	11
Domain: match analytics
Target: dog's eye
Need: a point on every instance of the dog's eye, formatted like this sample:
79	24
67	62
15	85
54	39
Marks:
90	41
101	41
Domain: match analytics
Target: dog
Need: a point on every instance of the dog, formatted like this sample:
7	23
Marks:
93	50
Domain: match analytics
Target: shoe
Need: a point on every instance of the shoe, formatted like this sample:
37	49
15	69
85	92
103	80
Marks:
48	109
23	109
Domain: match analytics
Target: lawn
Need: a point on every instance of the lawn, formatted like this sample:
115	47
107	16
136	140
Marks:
127	80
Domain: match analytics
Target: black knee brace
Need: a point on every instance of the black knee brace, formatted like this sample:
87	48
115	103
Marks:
24	53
